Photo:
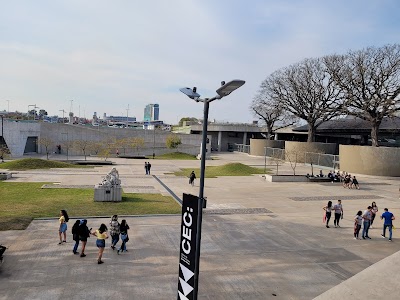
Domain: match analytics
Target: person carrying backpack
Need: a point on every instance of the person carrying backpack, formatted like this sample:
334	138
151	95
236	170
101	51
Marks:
192	177
84	233
75	235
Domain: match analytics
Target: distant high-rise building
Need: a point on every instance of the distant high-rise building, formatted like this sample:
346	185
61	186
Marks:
151	112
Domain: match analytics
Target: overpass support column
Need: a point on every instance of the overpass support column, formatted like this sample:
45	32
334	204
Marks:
244	138
219	141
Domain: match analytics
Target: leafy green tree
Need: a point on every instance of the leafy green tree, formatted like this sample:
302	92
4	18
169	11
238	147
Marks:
173	141
191	119
4	152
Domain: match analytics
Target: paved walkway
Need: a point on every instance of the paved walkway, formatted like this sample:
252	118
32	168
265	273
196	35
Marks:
260	240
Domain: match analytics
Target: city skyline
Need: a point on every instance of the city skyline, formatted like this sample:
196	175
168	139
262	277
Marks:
108	57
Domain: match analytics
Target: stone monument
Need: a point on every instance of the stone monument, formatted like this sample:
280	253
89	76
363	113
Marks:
110	188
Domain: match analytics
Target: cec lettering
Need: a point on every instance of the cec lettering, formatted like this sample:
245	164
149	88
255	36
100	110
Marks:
187	232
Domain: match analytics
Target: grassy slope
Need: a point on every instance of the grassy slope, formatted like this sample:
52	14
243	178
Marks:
177	155
24	201
231	169
35	163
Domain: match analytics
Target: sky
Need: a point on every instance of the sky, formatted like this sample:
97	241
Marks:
107	56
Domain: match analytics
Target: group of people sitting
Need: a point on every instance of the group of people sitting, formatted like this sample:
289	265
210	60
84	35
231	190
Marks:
348	180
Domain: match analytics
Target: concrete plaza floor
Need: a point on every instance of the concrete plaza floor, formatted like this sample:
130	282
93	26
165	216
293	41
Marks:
260	240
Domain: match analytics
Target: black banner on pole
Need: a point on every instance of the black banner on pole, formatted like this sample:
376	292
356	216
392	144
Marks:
187	254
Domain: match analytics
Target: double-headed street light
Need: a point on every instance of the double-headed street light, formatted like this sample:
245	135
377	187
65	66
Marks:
223	91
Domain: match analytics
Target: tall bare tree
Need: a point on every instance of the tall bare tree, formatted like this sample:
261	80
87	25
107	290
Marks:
369	80
306	91
269	110
46	143
82	145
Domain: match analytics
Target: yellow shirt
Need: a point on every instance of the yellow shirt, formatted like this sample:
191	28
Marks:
62	219
101	236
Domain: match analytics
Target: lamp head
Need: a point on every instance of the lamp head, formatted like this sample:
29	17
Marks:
191	93
229	87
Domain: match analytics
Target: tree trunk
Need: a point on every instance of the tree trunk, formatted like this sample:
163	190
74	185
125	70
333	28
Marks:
311	133
374	133
269	131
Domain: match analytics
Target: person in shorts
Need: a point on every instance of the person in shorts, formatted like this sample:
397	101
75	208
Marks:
62	231
101	235
84	233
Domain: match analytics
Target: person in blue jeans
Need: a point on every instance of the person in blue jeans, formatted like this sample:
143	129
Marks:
124	236
389	217
367	216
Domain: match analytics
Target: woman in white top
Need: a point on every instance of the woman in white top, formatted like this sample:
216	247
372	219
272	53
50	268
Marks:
328	212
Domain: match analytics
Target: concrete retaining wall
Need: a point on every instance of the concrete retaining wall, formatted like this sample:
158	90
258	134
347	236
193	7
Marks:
368	160
16	134
285	178
300	148
257	146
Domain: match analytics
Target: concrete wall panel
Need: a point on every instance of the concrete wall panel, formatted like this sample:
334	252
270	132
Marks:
257	146
377	161
302	147
16	134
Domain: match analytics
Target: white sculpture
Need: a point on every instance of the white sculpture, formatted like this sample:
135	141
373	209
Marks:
111	179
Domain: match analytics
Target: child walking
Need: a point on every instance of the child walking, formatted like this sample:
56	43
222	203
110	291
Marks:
357	224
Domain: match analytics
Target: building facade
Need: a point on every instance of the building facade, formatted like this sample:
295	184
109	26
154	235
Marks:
151	112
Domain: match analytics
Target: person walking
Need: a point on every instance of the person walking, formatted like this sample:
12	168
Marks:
328	212
124	236
146	168
84	233
374	211
101	235
114	231
192	177
367	221
338	213
75	235
389	217
63	226
355	183
357	225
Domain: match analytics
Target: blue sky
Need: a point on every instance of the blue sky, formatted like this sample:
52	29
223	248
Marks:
106	55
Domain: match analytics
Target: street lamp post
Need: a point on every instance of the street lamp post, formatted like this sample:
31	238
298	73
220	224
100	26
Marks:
224	90
2	136
154	140
34	110
63	111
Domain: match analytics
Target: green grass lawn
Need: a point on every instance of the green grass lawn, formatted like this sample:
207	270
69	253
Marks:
177	156
232	169
21	202
35	163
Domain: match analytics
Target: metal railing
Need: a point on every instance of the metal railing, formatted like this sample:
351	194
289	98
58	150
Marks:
277	153
323	160
242	148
